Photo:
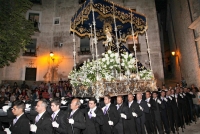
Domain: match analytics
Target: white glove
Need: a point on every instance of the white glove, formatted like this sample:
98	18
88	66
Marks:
33	128
27	106
7	130
149	105
71	121
165	99
55	124
191	93
134	114
5	108
170	98
81	101
62	98
123	116
110	123
63	102
159	101
93	114
141	108
181	95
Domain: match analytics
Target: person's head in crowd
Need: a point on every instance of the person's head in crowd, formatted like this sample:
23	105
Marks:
162	93
170	87
15	83
27	98
148	94
177	91
155	94
192	86
18	108
189	89
139	96
130	97
185	90
41	106
55	104
181	89
177	84
168	93
20	97
119	99
92	103
107	99
75	104
172	91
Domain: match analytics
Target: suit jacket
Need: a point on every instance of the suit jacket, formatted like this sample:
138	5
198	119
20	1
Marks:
157	110
61	119
122	125
93	124
44	125
22	126
145	107
134	107
111	115
79	122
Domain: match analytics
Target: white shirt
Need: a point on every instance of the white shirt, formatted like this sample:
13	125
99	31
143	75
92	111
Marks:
55	113
139	101
93	109
40	115
129	103
106	106
19	116
147	100
73	111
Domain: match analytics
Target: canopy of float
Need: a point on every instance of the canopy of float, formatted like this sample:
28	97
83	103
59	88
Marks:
104	12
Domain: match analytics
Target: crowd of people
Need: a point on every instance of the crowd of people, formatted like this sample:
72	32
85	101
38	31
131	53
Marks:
168	110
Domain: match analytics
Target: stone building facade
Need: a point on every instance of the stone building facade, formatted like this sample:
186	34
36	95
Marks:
53	22
183	28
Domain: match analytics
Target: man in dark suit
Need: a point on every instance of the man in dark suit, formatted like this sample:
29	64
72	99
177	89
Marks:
170	111
111	117
156	111
42	122
164	113
76	121
150	117
140	121
59	120
123	110
135	112
20	125
94	118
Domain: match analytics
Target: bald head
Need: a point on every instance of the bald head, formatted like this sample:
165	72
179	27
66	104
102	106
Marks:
75	104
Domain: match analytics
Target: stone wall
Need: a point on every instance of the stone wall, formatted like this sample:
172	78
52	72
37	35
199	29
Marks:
63	56
182	40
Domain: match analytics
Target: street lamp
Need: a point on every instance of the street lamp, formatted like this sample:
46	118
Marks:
51	54
173	53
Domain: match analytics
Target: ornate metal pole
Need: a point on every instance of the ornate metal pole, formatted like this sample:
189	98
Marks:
148	51
74	52
92	42
134	47
117	42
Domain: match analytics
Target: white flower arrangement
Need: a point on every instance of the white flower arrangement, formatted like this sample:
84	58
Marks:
128	62
146	74
104	68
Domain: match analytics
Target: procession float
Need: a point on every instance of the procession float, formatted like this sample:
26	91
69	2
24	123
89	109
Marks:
117	71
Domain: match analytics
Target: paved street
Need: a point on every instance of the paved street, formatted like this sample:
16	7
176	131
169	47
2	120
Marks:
192	129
